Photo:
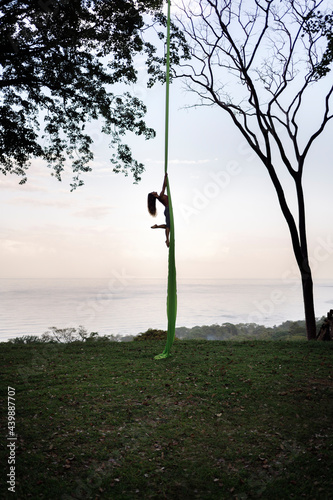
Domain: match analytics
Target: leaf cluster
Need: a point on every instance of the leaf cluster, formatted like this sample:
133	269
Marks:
320	24
152	334
59	63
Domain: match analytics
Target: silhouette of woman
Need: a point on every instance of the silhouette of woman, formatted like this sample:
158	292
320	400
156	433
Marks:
162	198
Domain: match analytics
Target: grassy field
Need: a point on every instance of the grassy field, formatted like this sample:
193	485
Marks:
216	420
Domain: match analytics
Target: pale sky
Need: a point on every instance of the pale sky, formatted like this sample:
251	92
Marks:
228	223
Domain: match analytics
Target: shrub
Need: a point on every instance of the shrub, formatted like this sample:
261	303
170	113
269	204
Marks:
152	334
26	339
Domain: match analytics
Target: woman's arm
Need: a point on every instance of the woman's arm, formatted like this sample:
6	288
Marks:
164	184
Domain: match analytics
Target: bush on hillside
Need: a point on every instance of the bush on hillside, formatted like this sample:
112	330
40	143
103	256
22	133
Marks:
152	334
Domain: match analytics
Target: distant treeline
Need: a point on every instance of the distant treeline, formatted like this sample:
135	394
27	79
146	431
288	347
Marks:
289	330
246	331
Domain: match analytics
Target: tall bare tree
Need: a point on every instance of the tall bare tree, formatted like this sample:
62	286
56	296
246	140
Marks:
258	60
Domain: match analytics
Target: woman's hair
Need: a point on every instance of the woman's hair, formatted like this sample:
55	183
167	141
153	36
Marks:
152	204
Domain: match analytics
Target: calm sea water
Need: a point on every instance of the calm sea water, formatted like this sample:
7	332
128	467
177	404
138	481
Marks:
128	306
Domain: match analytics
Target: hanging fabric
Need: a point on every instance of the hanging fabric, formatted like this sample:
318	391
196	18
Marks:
172	282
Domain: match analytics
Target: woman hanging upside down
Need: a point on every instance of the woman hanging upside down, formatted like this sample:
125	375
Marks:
163	198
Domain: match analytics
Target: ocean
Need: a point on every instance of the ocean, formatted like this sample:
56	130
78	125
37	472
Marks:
122	305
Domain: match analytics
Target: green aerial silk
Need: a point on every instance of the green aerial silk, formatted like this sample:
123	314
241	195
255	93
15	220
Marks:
172	282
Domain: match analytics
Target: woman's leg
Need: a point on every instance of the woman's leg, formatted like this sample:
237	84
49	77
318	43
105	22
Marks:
167	231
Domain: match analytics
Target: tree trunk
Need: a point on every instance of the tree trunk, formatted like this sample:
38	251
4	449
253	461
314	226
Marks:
299	243
310	319
307	284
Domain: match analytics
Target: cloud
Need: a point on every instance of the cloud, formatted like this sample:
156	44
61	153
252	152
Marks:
192	162
177	161
24	249
13	185
40	202
94	212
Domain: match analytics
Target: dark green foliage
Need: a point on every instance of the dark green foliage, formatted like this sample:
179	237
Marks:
152	334
320	24
68	335
31	339
59	61
288	330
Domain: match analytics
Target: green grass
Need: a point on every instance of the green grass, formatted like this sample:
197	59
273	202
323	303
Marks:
216	420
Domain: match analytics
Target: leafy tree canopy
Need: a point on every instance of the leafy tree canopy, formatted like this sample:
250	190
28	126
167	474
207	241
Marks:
321	25
59	62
